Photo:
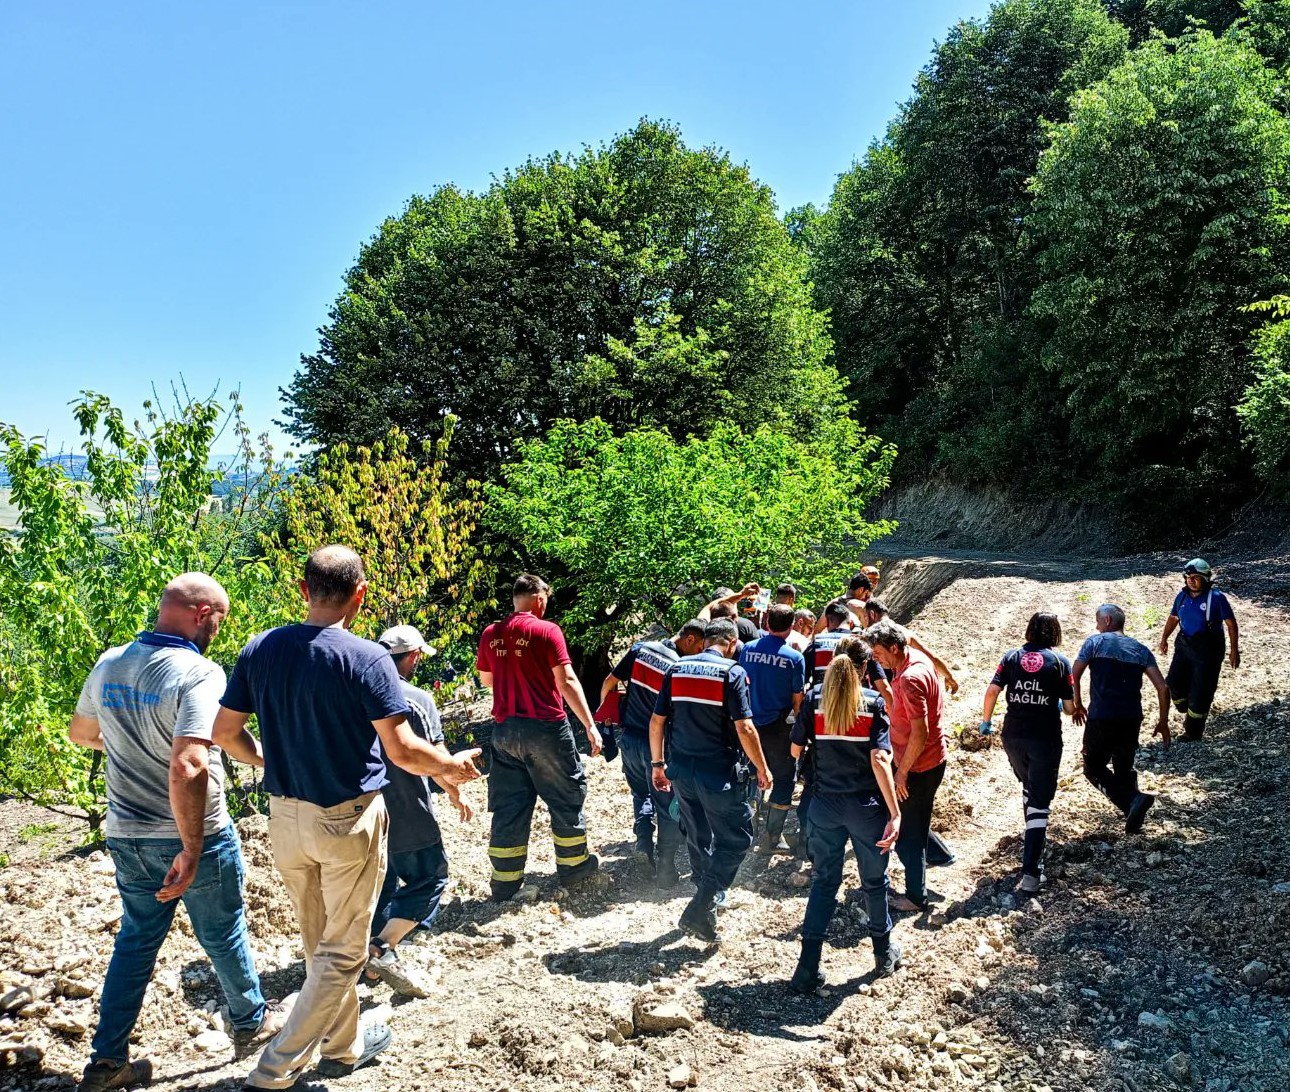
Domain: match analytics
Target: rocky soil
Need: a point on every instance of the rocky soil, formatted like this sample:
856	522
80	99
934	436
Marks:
1154	961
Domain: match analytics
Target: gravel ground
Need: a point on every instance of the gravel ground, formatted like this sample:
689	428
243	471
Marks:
1152	961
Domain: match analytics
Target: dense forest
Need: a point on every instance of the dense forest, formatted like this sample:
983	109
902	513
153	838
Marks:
1059	270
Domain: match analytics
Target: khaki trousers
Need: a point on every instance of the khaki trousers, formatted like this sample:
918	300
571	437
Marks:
332	861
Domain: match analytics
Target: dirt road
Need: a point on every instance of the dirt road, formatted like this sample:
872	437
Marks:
1150	962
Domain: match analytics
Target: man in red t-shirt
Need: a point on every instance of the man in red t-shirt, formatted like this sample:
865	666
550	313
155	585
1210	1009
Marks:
918	744
525	662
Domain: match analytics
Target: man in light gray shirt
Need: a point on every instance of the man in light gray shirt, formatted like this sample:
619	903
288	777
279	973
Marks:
151	705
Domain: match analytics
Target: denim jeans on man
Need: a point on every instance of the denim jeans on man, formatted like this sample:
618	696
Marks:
835	821
214	905
648	804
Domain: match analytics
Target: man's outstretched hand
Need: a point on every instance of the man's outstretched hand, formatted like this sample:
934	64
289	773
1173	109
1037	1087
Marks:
461	767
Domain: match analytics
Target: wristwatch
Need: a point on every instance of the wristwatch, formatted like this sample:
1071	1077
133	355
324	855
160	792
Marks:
658	765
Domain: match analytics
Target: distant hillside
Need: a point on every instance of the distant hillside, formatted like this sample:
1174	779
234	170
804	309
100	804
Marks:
74	466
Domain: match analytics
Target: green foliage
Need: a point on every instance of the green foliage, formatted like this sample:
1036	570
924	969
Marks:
1159	210
919	256
642	526
643	282
1264	409
86	568
414	530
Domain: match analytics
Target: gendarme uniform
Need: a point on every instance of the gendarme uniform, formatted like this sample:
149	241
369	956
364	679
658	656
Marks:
702	696
1199	649
642	668
847	806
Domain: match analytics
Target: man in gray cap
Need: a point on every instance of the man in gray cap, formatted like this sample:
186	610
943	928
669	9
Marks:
418	872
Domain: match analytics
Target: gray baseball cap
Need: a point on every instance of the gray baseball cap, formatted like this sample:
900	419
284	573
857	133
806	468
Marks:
400	639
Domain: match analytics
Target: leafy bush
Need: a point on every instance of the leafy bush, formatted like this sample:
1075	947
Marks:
639	528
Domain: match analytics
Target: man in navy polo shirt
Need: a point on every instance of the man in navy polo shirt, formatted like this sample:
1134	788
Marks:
703	722
328	704
1117	664
642	668
776	680
1200	613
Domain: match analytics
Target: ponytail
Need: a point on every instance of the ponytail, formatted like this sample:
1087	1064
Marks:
841	697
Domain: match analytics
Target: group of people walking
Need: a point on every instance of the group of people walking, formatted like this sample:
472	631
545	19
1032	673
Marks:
728	712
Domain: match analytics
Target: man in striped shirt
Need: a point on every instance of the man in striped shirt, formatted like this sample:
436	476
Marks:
703	723
642	669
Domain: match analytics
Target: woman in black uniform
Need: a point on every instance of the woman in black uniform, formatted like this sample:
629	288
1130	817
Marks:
1039	689
854	801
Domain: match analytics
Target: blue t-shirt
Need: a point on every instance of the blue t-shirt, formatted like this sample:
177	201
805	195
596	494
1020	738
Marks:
316	691
702	696
1198	613
776	672
1116	664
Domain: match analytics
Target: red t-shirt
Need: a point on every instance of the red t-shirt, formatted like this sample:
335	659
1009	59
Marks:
916	692
522	652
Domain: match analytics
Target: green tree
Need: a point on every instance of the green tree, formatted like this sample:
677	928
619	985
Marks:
643	281
1159	211
393	503
639	528
1264	409
86	567
919	257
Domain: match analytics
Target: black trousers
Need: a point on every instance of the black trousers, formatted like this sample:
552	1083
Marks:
1110	745
533	758
776	746
915	827
1036	761
1193	677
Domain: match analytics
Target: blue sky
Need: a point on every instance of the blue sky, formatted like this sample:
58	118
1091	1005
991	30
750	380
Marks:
185	184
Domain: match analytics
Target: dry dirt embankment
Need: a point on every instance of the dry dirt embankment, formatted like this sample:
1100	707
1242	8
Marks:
1152	961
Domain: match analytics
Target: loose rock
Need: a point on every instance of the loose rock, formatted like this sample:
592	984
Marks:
680	1077
1178	1067
650	1015
1255	973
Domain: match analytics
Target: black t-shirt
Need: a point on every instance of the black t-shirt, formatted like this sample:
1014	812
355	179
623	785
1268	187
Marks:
316	691
408	796
748	631
1037	681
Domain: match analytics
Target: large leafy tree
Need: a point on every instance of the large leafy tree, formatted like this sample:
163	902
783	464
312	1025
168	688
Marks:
1160	210
643	282
919	257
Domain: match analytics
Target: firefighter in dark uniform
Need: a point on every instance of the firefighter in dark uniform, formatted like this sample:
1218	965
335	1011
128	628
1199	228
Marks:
703	724
854	802
642	669
1200	613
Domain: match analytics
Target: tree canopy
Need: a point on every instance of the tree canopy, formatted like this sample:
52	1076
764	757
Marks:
642	282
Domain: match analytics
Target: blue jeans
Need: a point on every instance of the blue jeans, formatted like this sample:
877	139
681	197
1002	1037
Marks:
214	904
836	820
414	885
648	804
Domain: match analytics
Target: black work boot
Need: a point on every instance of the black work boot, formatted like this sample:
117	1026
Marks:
102	1075
886	956
807	978
1137	813
772	835
699	918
